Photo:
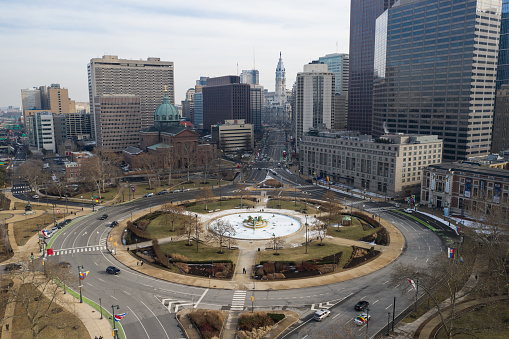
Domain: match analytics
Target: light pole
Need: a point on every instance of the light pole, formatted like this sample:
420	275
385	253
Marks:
367	322
39	226
196	216
113	312
54	218
66	206
388	322
306	234
100	308
80	267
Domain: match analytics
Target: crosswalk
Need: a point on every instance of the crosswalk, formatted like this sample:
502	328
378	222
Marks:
319	306
21	189
239	297
380	209
173	305
78	250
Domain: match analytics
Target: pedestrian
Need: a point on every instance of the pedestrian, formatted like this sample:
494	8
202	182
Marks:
82	209
142	263
171	239
137	263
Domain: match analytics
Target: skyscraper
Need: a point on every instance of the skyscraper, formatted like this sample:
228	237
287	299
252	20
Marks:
144	78
280	90
251	76
503	53
363	14
314	99
339	65
435	68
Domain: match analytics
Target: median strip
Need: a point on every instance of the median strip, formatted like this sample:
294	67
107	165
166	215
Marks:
419	220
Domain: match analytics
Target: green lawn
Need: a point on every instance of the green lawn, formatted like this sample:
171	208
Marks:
299	253
290	205
224	205
160	228
354	232
205	252
21	206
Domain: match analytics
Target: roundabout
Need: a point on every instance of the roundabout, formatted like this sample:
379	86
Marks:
258	225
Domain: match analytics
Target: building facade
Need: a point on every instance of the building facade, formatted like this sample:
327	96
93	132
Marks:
500	140
144	78
390	165
251	77
363	15
339	64
435	68
233	136
314	100
280	89
225	98
117	121
41	131
256	99
465	189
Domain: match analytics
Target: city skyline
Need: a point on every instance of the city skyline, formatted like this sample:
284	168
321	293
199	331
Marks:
197	37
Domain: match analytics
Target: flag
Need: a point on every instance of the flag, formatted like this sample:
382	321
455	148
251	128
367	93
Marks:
45	233
414	286
450	252
118	317
458	230
83	275
327	178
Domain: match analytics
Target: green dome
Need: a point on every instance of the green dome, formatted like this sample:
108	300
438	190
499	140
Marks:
166	111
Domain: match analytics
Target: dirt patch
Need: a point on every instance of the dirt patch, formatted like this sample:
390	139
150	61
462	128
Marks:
361	256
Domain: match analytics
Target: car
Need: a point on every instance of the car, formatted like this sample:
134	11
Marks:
112	270
13	267
162	192
103	217
35	196
175	191
186	190
149	195
396	205
321	314
113	223
408	210
259	169
67	221
362	319
361	305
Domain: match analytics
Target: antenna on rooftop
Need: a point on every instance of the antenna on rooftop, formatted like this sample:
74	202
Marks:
254	60
337	47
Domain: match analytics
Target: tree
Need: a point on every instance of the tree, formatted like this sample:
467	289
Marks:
330	205
31	170
191	227
207	160
101	168
206	195
171	214
276	242
149	162
320	229
221	230
240	192
37	296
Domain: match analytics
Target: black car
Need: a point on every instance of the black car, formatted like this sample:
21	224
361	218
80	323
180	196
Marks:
112	270
67	221
113	223
103	217
162	192
12	267
361	305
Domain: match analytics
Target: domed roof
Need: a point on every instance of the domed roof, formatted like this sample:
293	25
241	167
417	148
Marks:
166	111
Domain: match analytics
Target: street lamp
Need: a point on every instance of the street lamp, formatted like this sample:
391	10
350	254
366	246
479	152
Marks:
79	282
196	216
367	322
113	312
306	234
388	322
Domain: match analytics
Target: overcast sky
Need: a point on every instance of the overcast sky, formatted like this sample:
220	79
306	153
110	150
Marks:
52	41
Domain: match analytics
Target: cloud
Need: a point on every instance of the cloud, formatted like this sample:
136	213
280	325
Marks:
52	41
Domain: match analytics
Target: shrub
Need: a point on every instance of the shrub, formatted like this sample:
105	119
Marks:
268	267
250	321
179	257
208	322
276	317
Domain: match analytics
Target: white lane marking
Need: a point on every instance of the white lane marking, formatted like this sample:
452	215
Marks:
388	306
199	300
89	284
147	285
374	302
337	315
156	319
100	279
96	264
113	297
385	282
127	293
139	321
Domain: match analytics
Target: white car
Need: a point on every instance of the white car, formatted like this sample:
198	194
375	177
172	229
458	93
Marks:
149	195
321	314
362	319
35	196
408	210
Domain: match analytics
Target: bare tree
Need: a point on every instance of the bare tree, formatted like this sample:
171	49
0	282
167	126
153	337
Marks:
330	206
240	192
101	168
276	243
191	227
171	214
149	162
320	229
221	230
206	195
31	170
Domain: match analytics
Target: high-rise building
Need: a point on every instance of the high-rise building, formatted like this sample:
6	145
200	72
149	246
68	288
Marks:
188	105
435	69
251	76
314	99
363	14
256	99
118	121
500	141
51	98
225	98
503	52
146	79
339	64
280	90
198	102
41	132
31	99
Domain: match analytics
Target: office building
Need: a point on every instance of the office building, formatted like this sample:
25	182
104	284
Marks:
363	14
41	132
256	99
339	65
146	79
500	140
117	121
233	136
198	102
503	52
435	68
31	99
188	105
225	98
465	189
314	100
51	98
390	165
251	77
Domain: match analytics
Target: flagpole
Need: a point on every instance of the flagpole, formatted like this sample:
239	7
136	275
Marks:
79	281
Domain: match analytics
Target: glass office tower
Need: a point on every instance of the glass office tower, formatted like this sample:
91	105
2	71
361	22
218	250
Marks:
435	66
503	53
363	14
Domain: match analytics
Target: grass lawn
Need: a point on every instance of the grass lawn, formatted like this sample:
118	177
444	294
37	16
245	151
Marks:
56	315
160	228
4	216
299	253
354	232
205	252
224	205
24	230
290	205
21	206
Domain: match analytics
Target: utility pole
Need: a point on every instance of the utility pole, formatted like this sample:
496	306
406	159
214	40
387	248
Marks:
113	312
306	234
196	216
79	281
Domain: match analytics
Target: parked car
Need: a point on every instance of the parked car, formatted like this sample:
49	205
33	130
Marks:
361	305
186	190
175	191
148	195
67	221
321	314
113	223
162	192
103	217
362	319
408	210
35	196
112	270
13	267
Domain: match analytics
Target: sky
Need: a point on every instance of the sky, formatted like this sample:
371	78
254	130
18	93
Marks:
52	41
